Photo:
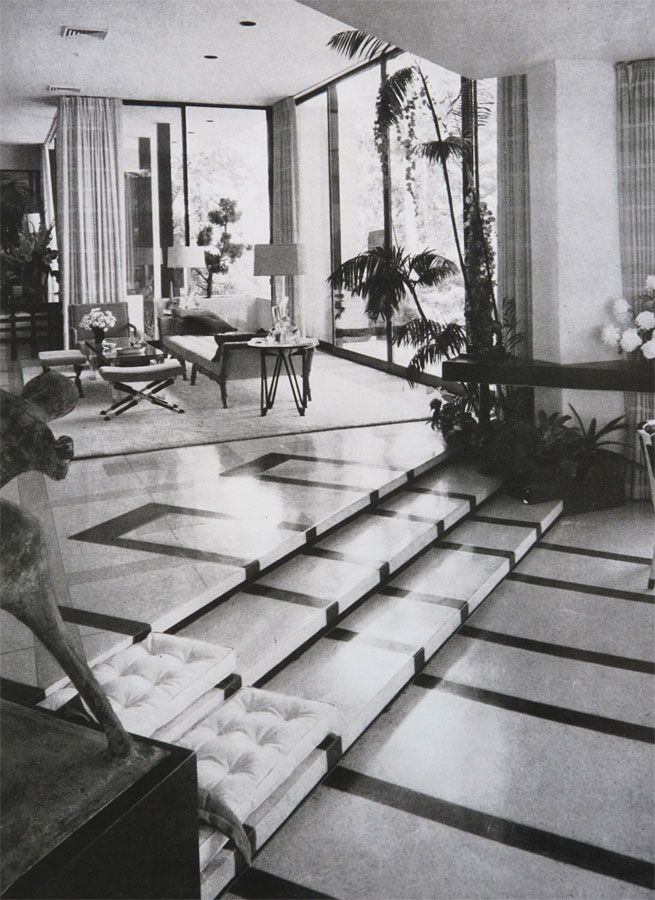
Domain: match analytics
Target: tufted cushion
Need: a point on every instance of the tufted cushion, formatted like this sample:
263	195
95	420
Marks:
151	682
249	745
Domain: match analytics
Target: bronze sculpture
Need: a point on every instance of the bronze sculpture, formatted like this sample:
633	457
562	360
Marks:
28	444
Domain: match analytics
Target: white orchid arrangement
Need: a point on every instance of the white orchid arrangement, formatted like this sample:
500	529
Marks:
98	318
634	327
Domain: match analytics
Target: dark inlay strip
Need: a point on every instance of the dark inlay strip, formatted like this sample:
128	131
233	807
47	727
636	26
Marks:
498	520
230	685
552	713
104	622
637	596
564	652
597	554
311	483
255	884
395	514
287	596
177	551
333	748
371	640
481	551
17	692
453	495
436	599
494	828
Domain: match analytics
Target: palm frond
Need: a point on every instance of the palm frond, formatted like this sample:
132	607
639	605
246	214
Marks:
431	268
452	146
445	339
617	424
378	276
393	95
358	43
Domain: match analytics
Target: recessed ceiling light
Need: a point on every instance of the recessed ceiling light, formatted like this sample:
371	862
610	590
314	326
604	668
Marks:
210	56
210	120
190	132
247	23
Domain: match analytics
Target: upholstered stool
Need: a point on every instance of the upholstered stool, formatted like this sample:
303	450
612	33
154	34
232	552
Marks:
51	359
249	746
156	378
155	680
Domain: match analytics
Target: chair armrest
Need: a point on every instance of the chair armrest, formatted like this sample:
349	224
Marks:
132	328
74	336
231	337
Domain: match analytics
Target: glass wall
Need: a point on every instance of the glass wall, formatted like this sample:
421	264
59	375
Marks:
227	164
154	201
361	205
419	214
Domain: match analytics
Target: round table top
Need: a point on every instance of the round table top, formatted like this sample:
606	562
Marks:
265	344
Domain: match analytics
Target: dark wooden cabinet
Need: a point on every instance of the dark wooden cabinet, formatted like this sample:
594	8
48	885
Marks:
78	825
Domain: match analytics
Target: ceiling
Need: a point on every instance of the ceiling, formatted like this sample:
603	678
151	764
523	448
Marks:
155	49
487	38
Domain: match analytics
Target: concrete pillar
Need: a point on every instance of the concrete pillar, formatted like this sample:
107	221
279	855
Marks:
574	220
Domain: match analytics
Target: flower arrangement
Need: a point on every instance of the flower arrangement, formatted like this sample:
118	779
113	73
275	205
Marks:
98	320
634	326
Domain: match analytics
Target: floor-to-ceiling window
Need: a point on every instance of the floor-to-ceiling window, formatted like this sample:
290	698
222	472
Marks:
418	212
193	175
227	165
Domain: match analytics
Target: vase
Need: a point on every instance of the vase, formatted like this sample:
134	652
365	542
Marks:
98	336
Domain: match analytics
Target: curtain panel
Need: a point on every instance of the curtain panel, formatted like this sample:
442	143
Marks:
285	193
90	202
48	210
636	162
514	265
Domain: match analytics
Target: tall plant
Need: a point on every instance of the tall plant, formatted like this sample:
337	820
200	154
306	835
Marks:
398	93
383	278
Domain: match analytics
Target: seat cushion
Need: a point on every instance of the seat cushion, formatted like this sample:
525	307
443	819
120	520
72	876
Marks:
170	368
197	350
198	321
151	682
251	744
62	357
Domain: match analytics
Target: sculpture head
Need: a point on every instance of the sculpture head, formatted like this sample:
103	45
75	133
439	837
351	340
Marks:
53	394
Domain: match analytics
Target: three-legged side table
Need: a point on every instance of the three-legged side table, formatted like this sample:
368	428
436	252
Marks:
283	355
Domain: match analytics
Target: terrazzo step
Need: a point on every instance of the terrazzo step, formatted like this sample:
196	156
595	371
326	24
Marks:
271	618
153	681
362	663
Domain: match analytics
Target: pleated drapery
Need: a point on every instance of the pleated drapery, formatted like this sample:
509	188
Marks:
514	264
90	202
636	161
285	194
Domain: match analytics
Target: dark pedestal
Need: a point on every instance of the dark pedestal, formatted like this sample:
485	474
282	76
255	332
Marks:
78	825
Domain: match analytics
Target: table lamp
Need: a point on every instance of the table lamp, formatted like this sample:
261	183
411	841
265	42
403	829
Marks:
281	260
183	257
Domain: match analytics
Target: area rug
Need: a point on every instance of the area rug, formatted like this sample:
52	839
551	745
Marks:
344	395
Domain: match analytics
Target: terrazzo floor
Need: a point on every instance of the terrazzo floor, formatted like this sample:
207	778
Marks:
519	762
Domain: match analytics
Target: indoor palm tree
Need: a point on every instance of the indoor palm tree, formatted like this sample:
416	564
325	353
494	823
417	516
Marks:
483	326
383	278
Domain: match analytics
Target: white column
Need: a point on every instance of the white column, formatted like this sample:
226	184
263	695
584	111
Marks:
574	219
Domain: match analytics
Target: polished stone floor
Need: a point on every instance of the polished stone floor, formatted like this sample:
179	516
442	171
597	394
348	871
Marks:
519	762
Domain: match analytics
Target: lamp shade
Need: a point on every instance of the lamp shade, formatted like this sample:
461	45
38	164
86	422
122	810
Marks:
279	259
181	257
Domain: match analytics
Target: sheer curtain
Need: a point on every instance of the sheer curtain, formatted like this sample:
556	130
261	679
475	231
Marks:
285	193
90	201
636	160
514	273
